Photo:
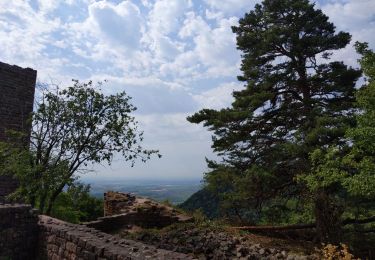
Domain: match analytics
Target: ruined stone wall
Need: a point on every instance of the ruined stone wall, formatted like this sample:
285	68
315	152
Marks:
117	202
18	232
25	235
17	87
124	210
143	219
60	240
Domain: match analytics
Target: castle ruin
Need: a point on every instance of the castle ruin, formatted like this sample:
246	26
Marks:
17	88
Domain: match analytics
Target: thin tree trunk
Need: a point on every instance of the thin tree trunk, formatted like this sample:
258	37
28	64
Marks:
42	203
53	198
345	222
327	218
276	228
32	201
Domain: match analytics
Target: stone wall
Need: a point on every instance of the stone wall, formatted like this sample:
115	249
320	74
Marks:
24	235
17	87
117	202
60	240
7	186
124	211
18	232
115	223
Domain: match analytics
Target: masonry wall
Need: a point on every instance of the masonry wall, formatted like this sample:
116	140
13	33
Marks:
123	210
60	240
7	186
17	87
144	219
18	232
25	235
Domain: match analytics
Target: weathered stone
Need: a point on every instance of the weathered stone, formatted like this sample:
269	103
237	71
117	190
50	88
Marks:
18	231
17	87
91	244
70	247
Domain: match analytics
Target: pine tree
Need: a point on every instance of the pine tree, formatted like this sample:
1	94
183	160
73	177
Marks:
294	101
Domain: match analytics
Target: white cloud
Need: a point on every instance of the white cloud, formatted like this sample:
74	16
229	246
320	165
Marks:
166	15
164	20
119	24
47	6
186	65
219	97
356	17
111	34
231	7
193	25
25	35
352	14
217	47
213	54
150	94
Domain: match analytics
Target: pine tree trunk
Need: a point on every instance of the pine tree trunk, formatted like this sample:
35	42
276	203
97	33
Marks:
328	218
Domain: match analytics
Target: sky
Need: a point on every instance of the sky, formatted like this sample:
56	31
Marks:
174	57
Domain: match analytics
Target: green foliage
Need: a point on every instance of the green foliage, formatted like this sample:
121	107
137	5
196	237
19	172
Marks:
72	128
351	167
76	205
362	156
290	106
204	200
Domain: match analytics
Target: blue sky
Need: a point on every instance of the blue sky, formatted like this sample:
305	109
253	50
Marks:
173	57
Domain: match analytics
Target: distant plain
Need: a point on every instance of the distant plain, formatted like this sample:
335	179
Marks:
175	191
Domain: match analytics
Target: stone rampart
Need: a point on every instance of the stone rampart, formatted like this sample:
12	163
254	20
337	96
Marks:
24	235
112	224
18	232
61	240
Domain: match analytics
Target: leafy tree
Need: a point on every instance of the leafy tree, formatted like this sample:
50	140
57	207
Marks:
362	156
72	128
347	171
76	205
295	100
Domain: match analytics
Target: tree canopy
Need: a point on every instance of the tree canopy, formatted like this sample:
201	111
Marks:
295	100
72	128
347	171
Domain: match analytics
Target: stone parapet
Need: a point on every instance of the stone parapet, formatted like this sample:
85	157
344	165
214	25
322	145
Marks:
60	240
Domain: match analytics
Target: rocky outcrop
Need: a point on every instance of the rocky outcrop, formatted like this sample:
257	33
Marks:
208	243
